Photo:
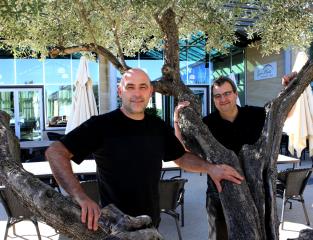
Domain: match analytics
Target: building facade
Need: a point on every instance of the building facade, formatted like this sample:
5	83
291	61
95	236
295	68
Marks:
38	93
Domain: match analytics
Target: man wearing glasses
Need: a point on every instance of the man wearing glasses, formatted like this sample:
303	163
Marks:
232	126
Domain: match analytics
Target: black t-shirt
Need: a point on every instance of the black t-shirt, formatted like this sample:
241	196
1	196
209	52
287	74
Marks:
246	128
129	156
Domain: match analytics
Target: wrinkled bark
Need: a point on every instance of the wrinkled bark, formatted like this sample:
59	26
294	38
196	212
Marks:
58	211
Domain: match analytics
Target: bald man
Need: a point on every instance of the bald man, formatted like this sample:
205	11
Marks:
128	146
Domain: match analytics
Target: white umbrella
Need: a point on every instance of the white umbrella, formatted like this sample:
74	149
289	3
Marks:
83	104
299	123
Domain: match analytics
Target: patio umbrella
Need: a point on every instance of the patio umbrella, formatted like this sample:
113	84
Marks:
299	123
83	104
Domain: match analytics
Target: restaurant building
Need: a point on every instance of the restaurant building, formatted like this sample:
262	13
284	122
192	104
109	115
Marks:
38	93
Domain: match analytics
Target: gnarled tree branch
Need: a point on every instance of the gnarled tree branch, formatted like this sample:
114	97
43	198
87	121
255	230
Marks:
56	51
55	209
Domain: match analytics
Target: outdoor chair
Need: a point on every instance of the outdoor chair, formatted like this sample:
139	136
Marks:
171	196
53	136
15	211
290	186
91	189
284	145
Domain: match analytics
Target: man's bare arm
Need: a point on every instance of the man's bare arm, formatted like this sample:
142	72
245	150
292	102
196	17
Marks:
59	158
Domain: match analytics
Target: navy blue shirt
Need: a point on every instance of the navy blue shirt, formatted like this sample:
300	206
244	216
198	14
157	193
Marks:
129	156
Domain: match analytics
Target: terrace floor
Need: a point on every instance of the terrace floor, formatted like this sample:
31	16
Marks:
195	214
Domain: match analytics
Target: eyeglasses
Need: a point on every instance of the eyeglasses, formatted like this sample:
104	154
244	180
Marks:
225	94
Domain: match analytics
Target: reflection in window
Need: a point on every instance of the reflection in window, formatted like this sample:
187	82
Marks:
29	71
29	115
6	71
58	71
58	77
59	100
6	103
61	75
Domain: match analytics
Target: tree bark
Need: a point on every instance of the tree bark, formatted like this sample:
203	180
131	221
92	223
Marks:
58	211
56	51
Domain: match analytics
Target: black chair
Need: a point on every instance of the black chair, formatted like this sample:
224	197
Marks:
290	186
16	212
284	145
171	196
92	190
53	136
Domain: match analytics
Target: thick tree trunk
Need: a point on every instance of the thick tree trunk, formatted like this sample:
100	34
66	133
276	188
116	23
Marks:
58	211
249	208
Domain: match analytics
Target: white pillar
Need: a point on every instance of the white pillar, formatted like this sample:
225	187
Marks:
107	86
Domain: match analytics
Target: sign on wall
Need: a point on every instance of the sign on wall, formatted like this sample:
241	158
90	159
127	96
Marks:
265	71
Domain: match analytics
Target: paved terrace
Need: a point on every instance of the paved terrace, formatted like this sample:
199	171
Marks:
195	215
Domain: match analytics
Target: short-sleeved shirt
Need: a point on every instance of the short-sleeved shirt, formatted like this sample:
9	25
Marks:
129	156
245	129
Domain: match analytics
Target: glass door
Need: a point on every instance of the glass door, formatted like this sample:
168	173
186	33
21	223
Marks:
25	106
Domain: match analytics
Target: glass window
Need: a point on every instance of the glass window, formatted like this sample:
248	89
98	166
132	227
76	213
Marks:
94	71
133	63
221	66
152	67
6	71
197	73
58	71
29	71
6	102
58	105
60	88
239	72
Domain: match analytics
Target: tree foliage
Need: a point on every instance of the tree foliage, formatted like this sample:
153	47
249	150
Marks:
130	26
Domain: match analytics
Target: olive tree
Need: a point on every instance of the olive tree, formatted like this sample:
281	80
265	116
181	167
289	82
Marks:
115	29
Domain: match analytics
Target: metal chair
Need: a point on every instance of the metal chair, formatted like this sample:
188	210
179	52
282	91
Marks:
290	186
54	136
16	212
284	145
171	196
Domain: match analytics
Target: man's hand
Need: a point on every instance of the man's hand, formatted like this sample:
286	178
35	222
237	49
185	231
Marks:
288	78
90	211
219	172
179	107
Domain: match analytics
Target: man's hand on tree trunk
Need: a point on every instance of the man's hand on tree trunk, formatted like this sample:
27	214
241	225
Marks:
286	79
90	211
219	172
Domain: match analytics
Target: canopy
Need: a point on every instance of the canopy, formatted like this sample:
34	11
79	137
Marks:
83	104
